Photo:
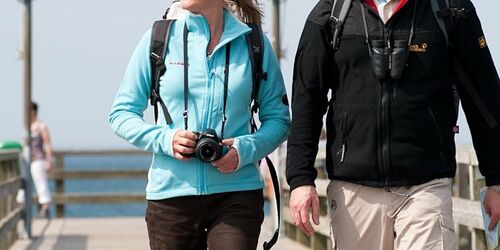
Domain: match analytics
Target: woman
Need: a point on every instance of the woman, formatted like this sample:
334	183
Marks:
193	204
41	160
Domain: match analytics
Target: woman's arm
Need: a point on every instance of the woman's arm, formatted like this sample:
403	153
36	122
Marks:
273	114
127	114
47	146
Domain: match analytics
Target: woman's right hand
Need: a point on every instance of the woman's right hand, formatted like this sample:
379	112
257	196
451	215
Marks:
183	144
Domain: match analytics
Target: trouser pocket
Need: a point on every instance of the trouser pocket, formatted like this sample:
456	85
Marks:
332	207
447	232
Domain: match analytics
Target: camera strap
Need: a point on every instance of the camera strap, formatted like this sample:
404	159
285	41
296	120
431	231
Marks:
186	81
186	76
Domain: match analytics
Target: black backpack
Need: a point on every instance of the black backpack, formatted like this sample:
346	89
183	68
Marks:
159	47
446	13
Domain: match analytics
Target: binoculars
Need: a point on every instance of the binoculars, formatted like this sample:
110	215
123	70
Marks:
388	61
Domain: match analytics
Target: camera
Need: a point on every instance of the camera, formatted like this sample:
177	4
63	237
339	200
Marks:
208	146
388	60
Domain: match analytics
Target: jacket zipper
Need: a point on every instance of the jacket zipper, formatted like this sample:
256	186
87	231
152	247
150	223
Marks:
387	88
386	135
439	135
205	121
343	148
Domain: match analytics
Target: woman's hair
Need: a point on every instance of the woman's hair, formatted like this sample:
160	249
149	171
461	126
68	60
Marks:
34	107
250	11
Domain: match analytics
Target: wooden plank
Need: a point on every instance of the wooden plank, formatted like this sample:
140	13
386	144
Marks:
101	174
467	213
10	186
11	220
61	199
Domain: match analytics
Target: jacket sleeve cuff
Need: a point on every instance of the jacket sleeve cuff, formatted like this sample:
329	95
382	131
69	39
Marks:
492	181
301	181
242	159
168	147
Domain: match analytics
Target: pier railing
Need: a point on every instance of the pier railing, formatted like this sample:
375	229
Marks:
466	207
10	182
61	174
466	185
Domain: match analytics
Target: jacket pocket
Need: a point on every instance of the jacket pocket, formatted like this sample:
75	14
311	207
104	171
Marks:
341	152
439	135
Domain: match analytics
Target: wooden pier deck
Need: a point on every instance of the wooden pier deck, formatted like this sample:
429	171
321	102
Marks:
107	233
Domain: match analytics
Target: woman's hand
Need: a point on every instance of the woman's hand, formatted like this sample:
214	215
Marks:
48	165
229	162
183	144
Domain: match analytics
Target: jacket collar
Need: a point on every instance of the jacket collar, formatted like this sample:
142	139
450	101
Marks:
233	27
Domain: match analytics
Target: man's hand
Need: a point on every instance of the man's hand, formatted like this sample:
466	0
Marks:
302	200
492	206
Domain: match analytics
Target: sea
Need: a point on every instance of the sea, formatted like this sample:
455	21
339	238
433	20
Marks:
119	185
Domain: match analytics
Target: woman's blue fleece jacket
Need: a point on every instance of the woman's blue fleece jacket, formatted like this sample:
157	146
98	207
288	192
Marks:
169	177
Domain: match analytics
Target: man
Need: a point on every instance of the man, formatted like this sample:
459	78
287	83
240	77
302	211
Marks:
390	123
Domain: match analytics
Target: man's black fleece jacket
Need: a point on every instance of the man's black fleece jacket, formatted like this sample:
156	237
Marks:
390	132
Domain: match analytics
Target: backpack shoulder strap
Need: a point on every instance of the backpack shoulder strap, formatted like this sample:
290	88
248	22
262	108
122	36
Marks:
255	43
158	48
444	23
446	13
340	8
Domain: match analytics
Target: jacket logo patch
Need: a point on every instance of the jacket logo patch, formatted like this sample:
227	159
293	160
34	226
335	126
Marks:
419	48
176	63
482	42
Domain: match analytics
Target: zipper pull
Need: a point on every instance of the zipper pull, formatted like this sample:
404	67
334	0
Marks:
342	154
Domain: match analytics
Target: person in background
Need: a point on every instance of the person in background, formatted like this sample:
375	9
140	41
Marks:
390	150
195	204
41	160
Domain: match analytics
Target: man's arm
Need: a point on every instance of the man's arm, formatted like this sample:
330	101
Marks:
313	78
473	54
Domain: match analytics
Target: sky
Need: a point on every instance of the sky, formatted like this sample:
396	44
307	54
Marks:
81	49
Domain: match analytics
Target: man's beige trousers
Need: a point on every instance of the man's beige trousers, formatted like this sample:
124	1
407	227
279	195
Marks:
417	217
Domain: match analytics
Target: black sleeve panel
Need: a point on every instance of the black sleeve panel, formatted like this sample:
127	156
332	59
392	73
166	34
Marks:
474	56
312	80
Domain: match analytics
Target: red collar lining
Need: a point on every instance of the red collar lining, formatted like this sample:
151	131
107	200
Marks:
400	5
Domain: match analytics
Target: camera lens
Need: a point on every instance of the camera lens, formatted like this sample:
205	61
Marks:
207	152
208	148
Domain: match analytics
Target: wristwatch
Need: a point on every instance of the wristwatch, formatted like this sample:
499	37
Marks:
495	188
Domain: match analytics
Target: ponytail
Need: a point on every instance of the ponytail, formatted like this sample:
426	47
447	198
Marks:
249	10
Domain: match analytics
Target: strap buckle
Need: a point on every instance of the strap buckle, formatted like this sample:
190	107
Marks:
336	22
157	59
185	114
255	107
458	13
261	75
154	97
256	49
